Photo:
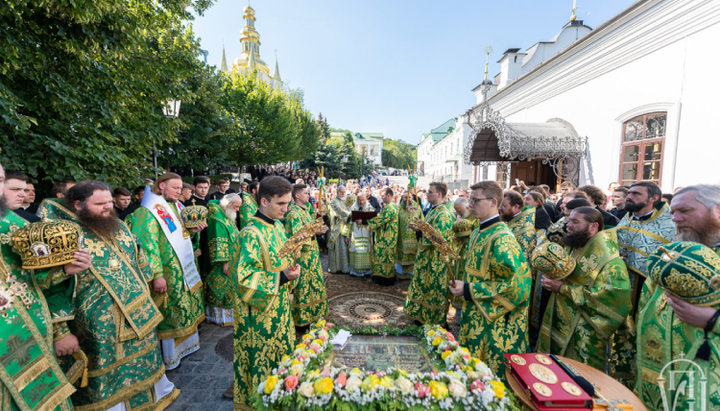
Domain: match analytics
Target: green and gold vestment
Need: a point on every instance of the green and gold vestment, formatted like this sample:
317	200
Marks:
661	338
407	238
224	246
310	296
183	309
498	279
31	377
264	329
591	304
360	248
385	229
637	239
427	299
247	209
109	309
523	228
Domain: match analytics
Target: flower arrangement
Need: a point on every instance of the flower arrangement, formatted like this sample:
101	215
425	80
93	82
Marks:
303	381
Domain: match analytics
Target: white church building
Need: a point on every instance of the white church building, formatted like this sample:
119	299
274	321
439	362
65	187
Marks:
627	101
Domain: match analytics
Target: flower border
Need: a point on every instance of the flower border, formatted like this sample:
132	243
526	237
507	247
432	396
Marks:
302	381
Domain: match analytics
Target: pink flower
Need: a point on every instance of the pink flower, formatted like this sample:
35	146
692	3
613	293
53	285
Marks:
448	348
291	381
466	356
433	373
341	379
449	336
315	347
328	325
477	384
381	374
322	337
282	371
325	372
422	389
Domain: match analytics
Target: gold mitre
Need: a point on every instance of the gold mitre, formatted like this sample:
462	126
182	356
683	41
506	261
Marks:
551	260
194	215
462	228
689	270
47	243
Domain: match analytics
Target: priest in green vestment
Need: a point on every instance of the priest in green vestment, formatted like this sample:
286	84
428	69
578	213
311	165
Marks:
249	204
679	304
359	247
176	286
224	247
407	238
337	238
309	293
385	233
28	329
589	305
496	285
108	308
646	226
427	299
264	329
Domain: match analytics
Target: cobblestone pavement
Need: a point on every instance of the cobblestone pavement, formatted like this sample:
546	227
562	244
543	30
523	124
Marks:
205	375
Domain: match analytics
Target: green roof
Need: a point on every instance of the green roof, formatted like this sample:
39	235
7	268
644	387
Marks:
439	132
368	136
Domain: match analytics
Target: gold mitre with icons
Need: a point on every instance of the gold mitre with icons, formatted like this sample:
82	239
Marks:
462	228
47	243
194	215
551	260
689	270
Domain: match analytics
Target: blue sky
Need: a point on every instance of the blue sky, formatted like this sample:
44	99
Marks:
400	67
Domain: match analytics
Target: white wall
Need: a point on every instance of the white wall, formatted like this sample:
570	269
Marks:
660	56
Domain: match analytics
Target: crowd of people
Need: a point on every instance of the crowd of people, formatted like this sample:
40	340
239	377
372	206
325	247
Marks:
624	281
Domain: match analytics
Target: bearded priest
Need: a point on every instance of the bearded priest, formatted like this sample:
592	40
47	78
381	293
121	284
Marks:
176	285
107	310
224	247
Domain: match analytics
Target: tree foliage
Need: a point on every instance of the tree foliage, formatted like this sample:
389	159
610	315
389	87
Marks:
398	154
337	154
267	124
82	82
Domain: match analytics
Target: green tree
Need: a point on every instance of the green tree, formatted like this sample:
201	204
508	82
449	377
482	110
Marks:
398	154
267	125
82	81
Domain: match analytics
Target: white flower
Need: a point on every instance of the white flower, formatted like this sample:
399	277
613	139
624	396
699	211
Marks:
296	370
353	383
306	389
404	385
457	389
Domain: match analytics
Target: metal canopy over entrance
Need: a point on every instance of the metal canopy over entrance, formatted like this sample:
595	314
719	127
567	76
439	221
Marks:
555	142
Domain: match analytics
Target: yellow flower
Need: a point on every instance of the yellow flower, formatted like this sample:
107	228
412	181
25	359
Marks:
324	385
300	346
320	323
498	387
370	382
402	372
294	362
284	358
356	370
312	374
319	342
431	333
438	390
436	341
270	383
387	381
445	354
307	337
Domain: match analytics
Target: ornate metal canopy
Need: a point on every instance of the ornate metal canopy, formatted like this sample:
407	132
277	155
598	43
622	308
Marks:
555	142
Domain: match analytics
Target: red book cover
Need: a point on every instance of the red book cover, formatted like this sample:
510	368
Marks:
548	385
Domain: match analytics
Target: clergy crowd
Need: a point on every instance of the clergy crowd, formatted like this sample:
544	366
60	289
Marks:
623	280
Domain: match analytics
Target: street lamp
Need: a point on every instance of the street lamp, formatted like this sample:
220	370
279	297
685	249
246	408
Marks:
171	109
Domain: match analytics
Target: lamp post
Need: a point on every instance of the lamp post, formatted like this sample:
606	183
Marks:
171	109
